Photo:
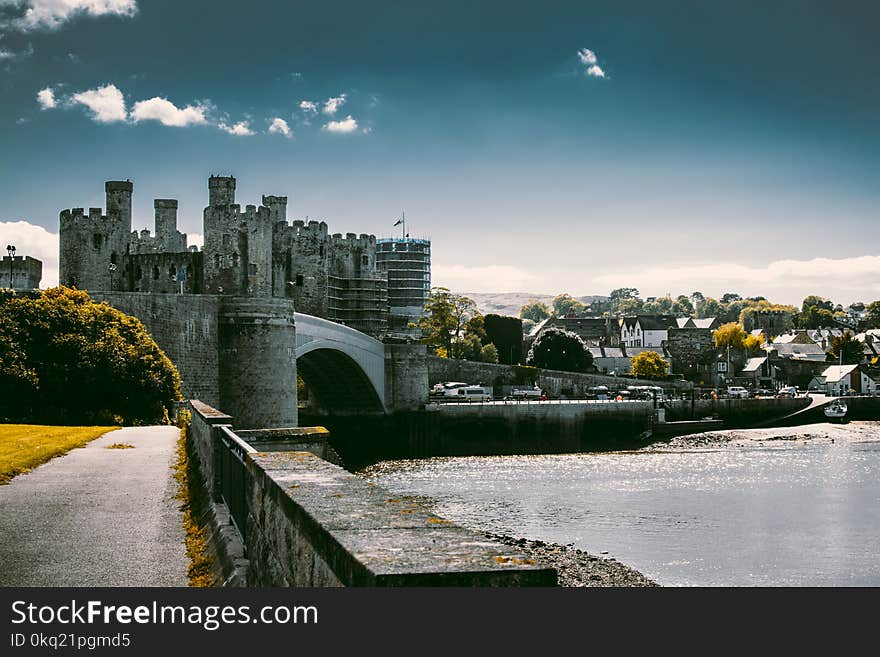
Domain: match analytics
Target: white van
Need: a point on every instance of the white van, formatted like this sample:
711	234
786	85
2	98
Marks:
475	393
738	392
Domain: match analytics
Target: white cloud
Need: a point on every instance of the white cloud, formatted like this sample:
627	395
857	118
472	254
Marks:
587	56
240	129
167	113
308	106
348	124
333	104
106	103
52	14
596	71
489	278
784	281
46	98
279	126
36	242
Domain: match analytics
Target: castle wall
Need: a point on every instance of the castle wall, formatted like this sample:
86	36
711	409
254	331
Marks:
185	326
20	273
160	272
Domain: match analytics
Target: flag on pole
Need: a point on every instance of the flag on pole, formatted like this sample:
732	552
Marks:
398	222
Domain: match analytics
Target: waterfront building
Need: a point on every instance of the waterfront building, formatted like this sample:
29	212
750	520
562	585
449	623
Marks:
406	261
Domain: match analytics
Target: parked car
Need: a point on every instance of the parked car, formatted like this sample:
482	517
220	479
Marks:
765	392
788	391
475	393
527	393
738	392
448	389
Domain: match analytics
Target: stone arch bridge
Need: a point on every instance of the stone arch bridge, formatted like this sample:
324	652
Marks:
242	354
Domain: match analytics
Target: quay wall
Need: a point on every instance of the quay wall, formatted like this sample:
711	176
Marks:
312	523
553	382
736	413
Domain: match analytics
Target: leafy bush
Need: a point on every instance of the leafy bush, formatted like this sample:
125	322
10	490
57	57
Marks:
557	349
65	359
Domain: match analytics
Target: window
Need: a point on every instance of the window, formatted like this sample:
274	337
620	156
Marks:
155	272
365	260
96	240
216	261
299	280
252	269
234	259
113	258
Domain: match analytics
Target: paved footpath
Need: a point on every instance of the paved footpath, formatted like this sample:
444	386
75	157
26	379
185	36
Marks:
97	516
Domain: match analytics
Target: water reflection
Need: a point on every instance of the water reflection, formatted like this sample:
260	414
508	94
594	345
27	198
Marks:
785	513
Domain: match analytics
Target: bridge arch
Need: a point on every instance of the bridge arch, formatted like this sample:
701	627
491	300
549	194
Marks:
343	368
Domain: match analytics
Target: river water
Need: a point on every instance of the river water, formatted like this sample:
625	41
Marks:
777	513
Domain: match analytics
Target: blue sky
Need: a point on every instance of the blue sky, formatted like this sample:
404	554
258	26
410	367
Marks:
555	146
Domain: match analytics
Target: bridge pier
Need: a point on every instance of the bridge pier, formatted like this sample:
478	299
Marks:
257	343
406	377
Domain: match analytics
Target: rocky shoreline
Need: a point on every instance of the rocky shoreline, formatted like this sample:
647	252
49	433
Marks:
824	431
576	568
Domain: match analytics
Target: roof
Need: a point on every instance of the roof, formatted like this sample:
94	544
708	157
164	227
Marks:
836	372
607	352
810	351
754	364
656	322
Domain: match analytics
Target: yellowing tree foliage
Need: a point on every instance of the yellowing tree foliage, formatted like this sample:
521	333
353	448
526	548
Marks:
649	365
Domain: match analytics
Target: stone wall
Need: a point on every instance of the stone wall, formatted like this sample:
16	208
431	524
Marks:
406	376
311	523
553	382
185	328
257	361
736	413
20	273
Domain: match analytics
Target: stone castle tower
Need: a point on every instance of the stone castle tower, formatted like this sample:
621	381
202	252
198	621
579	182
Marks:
254	252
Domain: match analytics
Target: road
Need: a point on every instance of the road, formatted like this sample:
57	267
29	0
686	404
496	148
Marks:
97	516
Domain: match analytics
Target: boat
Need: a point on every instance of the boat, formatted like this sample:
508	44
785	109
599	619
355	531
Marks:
836	410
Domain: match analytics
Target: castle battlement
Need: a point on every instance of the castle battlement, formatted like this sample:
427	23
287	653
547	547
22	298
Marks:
248	251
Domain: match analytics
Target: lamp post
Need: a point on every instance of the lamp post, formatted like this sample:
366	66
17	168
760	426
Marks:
10	249
111	268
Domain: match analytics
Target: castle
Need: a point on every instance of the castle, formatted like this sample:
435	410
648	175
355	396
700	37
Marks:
254	252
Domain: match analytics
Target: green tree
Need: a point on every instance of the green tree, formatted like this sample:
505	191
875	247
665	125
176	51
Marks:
506	334
564	304
557	349
730	297
467	347
65	358
649	365
710	307
535	310
874	314
813	301
847	345
445	318
489	354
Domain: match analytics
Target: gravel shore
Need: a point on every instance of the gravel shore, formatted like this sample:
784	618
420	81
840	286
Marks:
825	431
575	567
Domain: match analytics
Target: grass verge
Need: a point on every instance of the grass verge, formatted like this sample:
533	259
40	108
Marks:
193	504
25	446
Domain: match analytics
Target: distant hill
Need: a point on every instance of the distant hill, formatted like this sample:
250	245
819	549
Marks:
509	303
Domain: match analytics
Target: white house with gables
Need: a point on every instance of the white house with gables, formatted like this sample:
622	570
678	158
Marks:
646	330
836	380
